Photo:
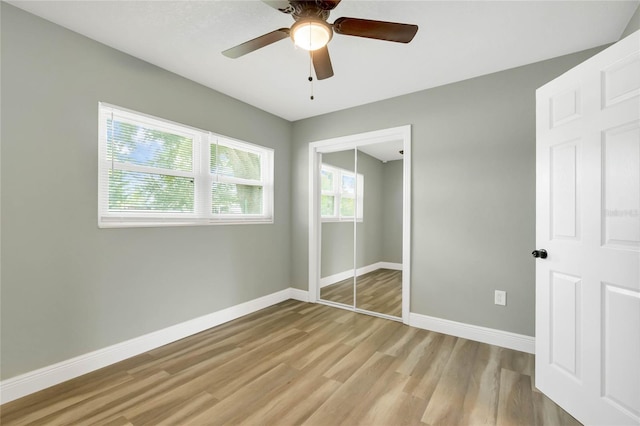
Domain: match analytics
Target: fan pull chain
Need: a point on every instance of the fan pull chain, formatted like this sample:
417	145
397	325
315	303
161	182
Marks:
310	72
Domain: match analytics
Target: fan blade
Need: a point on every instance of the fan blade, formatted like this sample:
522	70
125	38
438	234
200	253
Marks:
280	5
256	43
322	63
380	30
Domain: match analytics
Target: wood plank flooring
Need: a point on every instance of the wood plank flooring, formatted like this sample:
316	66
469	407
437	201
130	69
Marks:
299	363
377	291
340	292
380	291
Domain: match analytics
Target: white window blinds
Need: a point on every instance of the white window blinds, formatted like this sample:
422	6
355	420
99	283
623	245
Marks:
238	180
154	172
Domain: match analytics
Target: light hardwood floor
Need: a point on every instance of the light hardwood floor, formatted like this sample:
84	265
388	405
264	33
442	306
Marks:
299	363
377	291
340	292
380	291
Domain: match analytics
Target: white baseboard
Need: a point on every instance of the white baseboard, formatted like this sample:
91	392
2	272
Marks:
25	384
504	339
340	276
335	278
390	265
297	294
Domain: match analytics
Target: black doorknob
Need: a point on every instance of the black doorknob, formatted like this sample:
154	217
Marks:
542	254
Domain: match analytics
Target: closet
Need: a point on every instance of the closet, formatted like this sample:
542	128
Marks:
359	195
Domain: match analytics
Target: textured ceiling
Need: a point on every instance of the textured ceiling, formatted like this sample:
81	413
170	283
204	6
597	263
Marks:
456	41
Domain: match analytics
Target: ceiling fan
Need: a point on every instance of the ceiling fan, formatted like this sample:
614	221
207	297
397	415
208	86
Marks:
312	32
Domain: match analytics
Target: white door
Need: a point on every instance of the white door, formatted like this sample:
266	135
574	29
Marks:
588	221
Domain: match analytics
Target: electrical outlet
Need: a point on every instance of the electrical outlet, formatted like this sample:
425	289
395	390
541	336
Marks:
500	298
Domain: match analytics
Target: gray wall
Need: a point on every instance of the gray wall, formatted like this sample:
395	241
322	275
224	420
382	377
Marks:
68	287
633	25
473	201
392	211
369	231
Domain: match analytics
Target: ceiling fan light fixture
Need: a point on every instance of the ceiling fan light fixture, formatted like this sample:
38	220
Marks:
311	34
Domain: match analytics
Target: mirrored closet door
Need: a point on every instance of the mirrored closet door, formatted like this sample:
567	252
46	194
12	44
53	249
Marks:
337	236
379	229
360	199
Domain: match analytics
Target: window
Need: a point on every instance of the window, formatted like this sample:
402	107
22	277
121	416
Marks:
342	192
153	172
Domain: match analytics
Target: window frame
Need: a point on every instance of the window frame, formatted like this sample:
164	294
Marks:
339	194
201	174
265	171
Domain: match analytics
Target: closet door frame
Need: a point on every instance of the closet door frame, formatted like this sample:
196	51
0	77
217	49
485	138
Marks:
352	142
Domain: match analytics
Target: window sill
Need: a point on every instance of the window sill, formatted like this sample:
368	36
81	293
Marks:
111	222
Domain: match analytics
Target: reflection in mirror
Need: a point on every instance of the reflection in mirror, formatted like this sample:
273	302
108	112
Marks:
379	233
337	205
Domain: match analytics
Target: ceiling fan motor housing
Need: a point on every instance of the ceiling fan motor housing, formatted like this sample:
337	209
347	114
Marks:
311	34
310	9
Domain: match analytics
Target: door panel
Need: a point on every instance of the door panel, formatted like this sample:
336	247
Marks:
621	354
621	186
566	324
620	80
588	220
564	191
565	107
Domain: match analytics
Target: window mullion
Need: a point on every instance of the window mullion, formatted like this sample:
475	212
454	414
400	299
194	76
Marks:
266	177
203	180
337	185
199	181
